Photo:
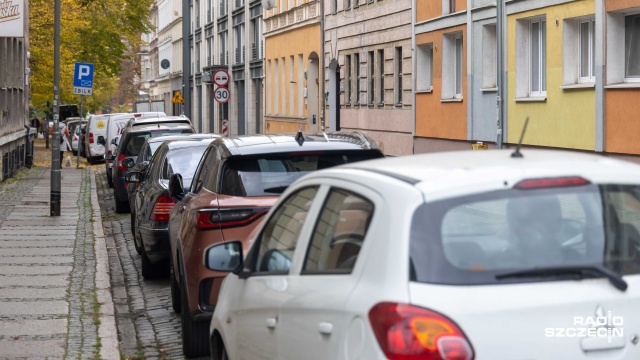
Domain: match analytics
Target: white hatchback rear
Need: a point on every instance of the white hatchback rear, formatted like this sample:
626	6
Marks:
462	255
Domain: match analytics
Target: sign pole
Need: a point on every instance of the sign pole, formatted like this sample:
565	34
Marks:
55	140
80	125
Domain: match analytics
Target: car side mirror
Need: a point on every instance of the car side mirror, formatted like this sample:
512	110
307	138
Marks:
114	142
224	257
145	164
101	140
176	190
128	163
109	157
133	177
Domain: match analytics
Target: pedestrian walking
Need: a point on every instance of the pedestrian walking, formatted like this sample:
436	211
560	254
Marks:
64	140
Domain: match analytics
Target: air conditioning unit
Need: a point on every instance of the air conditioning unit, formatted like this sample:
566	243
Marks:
268	4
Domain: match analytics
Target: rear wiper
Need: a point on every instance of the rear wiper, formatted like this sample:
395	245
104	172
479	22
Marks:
276	189
614	278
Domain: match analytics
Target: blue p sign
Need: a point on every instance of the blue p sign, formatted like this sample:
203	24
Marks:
83	79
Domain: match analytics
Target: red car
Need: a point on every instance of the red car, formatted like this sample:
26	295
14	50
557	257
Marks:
235	185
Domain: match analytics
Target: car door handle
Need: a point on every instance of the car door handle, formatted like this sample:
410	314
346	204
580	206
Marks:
271	323
325	328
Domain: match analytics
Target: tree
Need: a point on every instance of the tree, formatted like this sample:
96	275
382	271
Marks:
98	32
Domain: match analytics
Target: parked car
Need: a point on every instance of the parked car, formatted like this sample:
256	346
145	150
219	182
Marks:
142	162
151	202
236	183
72	123
115	124
465	255
131	141
75	139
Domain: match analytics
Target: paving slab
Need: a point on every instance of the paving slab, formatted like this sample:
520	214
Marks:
33	327
32	348
41	281
38	307
32	293
34	270
36	252
36	260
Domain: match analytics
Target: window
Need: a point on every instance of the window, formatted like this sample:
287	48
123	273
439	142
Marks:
347	79
398	75
356	66
224	53
448	7
425	67
489	56
537	57
239	36
281	232
339	234
381	77
531	58
371	75
452	57
587	50
334	6
347	4
632	47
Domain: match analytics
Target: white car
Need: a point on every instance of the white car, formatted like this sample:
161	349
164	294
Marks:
462	255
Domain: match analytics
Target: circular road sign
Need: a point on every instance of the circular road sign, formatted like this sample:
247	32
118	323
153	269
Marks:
221	95
221	78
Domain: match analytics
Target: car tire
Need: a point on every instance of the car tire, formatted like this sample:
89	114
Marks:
195	335
150	270
91	160
175	290
121	206
137	240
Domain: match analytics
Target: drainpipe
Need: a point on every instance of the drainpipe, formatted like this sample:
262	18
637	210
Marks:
601	34
322	90
414	62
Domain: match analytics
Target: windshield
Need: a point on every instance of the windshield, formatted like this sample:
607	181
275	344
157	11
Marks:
183	161
271	174
136	140
469	240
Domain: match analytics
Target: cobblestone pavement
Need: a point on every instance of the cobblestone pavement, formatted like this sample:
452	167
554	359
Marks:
49	295
147	325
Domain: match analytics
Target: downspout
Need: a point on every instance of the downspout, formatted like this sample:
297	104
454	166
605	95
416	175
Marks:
470	78
414	63
601	27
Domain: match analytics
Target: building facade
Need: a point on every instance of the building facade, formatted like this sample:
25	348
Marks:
14	89
368	52
292	64
572	67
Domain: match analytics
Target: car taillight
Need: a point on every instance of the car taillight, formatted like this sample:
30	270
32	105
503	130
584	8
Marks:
227	218
552	182
90	138
406	332
120	166
162	208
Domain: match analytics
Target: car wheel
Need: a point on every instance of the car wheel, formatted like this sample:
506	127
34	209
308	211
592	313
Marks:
91	160
121	206
149	270
137	240
175	290
195	335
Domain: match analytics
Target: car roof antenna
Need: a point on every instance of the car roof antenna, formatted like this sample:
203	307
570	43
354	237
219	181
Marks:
517	154
299	136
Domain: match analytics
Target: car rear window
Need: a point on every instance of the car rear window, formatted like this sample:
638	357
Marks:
471	240
136	140
271	174
183	161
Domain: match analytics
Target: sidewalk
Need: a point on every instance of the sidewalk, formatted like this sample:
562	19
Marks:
55	292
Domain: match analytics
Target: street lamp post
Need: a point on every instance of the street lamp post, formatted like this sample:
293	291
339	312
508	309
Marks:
55	140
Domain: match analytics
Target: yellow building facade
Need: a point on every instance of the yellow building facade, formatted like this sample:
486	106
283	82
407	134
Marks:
543	85
292	64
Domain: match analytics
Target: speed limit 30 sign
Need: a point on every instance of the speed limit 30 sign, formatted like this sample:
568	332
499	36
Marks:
221	95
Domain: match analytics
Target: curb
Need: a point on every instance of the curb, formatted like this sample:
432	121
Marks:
107	330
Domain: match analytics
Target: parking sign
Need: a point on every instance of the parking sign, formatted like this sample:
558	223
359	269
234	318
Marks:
83	79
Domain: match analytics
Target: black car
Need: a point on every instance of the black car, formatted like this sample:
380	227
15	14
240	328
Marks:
142	162
152	202
130	144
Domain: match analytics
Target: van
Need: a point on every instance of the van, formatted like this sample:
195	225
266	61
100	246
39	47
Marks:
115	125
96	127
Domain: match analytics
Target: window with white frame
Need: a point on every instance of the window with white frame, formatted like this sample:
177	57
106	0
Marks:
632	47
452	58
578	57
489	57
425	67
623	47
531	58
448	7
537	57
